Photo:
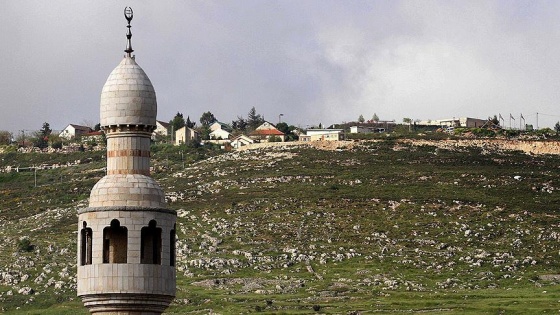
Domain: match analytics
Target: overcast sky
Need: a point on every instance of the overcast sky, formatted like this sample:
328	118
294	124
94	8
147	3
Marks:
313	61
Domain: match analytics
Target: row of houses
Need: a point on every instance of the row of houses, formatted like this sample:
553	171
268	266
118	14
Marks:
222	133
388	126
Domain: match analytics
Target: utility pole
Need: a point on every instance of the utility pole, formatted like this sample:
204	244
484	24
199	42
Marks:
280	118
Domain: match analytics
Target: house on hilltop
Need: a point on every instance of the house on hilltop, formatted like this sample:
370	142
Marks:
266	132
364	129
186	134
241	141
73	131
162	129
220	125
323	135
368	127
466	122
220	130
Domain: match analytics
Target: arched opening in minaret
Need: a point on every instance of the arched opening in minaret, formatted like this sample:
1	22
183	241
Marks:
150	244
85	242
172	246
115	238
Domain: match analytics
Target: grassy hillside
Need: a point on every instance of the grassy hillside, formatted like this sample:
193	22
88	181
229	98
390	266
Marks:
382	227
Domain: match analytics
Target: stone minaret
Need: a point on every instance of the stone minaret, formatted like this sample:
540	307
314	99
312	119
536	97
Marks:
126	237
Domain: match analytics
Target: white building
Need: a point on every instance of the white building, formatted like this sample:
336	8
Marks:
186	134
73	131
266	131
162	129
465	122
219	125
220	134
241	141
323	135
219	131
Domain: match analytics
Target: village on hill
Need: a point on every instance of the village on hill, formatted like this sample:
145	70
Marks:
255	129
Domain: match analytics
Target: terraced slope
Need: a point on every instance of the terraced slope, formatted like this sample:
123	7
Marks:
377	227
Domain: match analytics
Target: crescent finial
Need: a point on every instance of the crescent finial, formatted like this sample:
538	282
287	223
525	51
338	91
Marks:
128	16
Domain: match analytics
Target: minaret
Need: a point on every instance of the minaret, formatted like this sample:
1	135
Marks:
126	237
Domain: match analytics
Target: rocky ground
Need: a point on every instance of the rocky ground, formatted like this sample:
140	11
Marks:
346	227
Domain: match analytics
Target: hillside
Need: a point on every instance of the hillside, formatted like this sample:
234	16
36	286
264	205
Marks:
354	228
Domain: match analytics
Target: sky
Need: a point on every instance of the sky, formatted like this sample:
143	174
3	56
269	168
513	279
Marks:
313	61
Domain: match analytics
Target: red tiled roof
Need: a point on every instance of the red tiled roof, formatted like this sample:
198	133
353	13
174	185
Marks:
93	133
267	132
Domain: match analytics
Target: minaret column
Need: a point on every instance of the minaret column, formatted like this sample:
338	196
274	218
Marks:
128	150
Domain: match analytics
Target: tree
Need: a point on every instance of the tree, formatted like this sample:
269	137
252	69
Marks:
46	130
254	120
42	136
283	127
205	132
189	123
176	123
97	127
361	119
557	127
207	119
287	130
240	124
5	137
375	117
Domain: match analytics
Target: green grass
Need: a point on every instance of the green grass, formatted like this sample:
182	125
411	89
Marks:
386	227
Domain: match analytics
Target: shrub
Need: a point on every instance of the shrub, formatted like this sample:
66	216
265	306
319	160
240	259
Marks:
511	133
57	145
24	245
483	132
274	139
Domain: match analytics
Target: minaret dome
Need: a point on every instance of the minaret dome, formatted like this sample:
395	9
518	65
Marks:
126	235
128	97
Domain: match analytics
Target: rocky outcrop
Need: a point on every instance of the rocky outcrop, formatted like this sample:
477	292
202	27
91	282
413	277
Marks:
527	146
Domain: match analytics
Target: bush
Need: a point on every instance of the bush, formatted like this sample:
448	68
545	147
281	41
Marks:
57	145
8	148
24	245
546	132
483	132
274	139
511	133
